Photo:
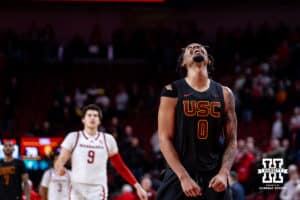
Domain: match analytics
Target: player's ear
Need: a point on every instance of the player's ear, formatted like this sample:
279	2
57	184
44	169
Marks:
210	59
181	61
183	64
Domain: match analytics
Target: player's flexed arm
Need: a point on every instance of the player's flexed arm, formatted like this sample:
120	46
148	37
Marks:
119	165
166	119
219	182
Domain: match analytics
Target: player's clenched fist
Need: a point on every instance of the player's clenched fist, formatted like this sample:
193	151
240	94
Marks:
141	192
218	182
60	170
190	187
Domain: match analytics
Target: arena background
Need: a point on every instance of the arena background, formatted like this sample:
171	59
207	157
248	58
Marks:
57	56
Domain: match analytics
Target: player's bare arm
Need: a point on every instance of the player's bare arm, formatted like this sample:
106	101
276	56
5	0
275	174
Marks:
25	180
219	182
166	119
63	157
43	191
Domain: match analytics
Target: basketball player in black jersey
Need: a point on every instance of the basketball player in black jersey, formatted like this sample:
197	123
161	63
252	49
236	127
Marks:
12	175
195	115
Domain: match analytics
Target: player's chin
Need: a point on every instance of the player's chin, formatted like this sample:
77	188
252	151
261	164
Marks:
92	125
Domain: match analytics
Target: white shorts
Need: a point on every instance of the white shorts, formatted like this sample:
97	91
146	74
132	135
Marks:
79	191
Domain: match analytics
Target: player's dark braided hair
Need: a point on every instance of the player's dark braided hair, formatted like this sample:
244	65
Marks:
183	71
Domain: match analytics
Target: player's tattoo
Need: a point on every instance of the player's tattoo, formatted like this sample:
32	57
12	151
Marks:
230	133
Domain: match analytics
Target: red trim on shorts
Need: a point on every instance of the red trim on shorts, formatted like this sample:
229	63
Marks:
76	141
106	146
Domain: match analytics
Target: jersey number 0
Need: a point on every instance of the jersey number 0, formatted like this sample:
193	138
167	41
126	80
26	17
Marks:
202	129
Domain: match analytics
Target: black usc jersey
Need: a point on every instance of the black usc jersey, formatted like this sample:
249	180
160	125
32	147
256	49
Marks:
199	125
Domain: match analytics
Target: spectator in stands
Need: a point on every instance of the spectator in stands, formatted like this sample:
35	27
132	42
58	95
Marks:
295	119
281	94
121	101
80	98
158	158
147	185
96	48
250	144
295	128
92	92
289	187
103	100
243	166
296	195
289	153
275	150
155	143
238	192
246	99
277	127
240	150
127	136
134	156
116	129
127	193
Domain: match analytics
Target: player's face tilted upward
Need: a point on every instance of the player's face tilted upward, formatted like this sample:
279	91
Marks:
193	50
91	120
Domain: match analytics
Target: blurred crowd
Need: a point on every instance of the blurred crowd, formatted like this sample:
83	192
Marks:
260	64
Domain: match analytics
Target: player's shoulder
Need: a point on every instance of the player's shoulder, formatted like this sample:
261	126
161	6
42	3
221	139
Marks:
173	85
48	171
108	136
73	134
227	91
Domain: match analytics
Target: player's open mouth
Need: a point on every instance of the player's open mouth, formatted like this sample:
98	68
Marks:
197	52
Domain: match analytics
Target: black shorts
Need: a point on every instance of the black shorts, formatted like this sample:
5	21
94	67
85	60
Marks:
170	188
11	197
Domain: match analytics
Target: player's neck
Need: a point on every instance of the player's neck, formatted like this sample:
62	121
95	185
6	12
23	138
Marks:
8	158
90	131
198	78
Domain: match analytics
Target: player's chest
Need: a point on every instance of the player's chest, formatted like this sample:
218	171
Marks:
62	179
91	149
